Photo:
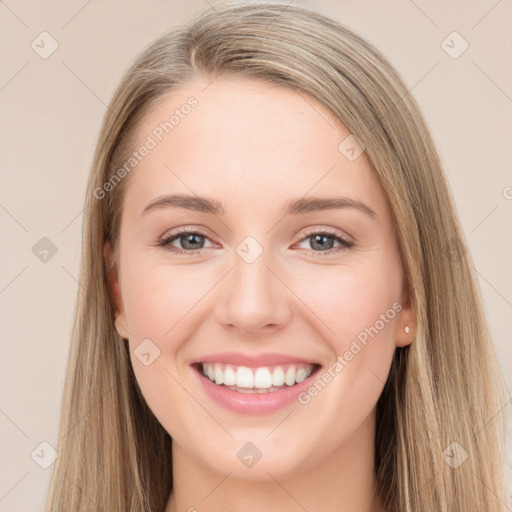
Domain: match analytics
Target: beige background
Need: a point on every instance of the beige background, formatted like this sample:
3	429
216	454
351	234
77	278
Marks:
51	113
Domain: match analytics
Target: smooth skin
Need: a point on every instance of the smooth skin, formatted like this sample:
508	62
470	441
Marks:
254	146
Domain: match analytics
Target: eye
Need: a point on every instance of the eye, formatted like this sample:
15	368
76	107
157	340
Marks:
191	241
322	241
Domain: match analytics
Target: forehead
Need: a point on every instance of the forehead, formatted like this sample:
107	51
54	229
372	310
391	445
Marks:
247	140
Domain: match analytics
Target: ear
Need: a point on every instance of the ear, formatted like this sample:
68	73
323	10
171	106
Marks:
406	320
114	290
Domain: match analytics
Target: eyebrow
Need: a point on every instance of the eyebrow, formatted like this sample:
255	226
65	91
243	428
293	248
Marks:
291	207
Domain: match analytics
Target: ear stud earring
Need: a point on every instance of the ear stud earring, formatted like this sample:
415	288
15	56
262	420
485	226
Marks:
407	329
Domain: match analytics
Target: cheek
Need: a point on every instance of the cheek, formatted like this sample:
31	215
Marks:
158	298
350	302
357	314
361	308
161	304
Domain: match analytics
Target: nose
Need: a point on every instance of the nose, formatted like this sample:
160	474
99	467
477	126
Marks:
254	298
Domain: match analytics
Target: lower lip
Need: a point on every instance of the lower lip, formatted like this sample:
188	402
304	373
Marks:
253	403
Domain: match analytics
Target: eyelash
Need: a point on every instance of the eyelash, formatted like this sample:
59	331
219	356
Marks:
165	242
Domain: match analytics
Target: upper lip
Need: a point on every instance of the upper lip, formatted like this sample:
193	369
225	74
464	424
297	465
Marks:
253	361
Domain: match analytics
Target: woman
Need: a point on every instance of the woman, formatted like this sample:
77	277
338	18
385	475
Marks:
277	307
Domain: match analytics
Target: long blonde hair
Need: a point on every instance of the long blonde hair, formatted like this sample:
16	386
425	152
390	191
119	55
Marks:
445	388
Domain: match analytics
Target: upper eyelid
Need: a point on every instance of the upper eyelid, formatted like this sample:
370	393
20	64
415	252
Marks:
344	239
330	231
309	231
186	231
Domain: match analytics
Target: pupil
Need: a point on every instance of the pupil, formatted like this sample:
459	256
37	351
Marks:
321	239
189	239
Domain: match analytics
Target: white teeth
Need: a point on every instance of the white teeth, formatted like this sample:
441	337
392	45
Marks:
219	374
244	377
256	380
229	376
289	378
301	375
278	377
262	378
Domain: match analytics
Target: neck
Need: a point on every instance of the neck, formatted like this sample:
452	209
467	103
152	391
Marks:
343	481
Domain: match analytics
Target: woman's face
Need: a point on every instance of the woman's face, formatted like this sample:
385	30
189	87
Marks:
270	285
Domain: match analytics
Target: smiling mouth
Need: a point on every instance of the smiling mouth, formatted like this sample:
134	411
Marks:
263	379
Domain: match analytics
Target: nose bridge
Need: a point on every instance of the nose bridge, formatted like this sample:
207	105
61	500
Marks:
253	297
